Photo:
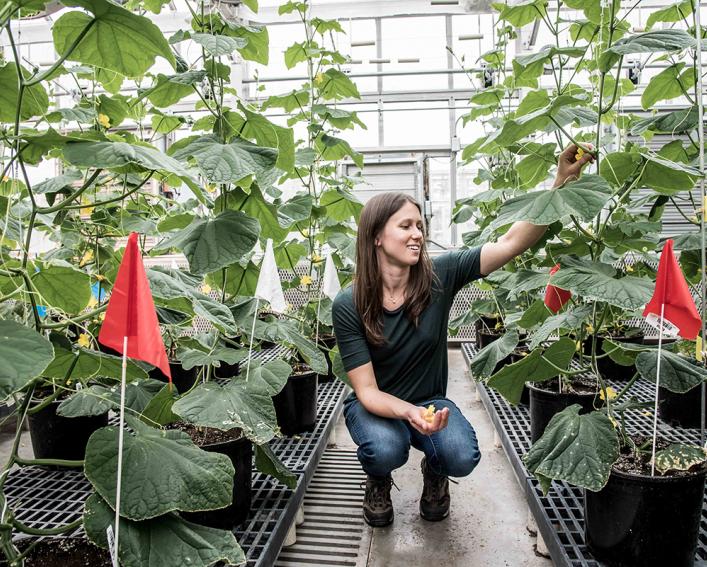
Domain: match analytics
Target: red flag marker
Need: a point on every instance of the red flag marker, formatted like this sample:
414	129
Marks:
672	290
131	313
555	297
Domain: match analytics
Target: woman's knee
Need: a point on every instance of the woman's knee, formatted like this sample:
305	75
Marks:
379	457
463	462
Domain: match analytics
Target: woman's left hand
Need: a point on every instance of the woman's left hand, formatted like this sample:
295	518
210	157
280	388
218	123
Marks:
569	168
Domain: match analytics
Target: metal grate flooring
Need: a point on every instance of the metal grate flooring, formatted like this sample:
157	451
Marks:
43	498
333	528
560	514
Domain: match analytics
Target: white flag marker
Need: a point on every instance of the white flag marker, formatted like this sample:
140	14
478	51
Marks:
330	287
269	289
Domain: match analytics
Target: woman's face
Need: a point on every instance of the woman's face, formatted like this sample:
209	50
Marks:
400	240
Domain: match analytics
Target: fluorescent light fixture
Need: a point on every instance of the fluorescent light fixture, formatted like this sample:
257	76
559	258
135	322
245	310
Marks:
470	36
409	60
444	2
354	62
363	43
378	60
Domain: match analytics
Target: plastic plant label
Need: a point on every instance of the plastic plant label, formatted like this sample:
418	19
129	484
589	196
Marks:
111	546
698	349
665	327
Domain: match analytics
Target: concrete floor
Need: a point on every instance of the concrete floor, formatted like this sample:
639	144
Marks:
487	523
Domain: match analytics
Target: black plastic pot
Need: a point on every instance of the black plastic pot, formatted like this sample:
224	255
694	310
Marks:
606	366
296	404
240	451
64	438
647	521
545	404
61	552
227	370
182	379
680	410
328	342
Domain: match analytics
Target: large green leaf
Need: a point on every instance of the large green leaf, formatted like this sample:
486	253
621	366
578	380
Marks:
291	334
509	381
616	167
584	198
218	45
579	449
94	400
677	373
215	243
230	163
162	471
594	280
121	154
676	122
667	85
192	357
165	541
85	363
169	90
258	42
571	319
522	13
679	457
118	40
255	205
215	313
333	149
649	42
296	209
673	13
336	85
484	362
239	403
547	52
34	100
668	177
271	135
63	287
341	205
25	355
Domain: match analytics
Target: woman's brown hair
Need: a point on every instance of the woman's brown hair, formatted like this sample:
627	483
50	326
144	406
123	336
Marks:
368	283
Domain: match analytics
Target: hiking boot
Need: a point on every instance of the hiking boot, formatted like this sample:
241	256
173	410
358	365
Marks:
434	502
377	505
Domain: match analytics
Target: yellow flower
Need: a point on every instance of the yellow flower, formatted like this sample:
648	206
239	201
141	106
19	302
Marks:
429	414
319	79
306	280
316	258
5	179
102	315
579	154
613	422
206	288
305	232
103	120
211	187
84	340
87	257
629	269
610	392
590	329
100	278
92	302
86	211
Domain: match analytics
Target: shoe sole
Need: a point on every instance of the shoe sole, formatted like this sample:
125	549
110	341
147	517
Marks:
434	517
378	523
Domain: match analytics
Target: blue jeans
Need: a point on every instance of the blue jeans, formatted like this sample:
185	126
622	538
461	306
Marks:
384	444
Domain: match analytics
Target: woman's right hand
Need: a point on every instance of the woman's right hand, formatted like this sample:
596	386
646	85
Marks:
416	418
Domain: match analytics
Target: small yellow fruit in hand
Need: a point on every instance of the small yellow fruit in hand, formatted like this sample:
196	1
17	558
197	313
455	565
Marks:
579	154
429	414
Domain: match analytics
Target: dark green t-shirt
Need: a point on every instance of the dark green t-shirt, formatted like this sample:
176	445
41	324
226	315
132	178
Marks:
412	365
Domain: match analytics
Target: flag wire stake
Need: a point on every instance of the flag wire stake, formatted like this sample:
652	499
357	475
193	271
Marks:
701	136
252	332
121	427
657	385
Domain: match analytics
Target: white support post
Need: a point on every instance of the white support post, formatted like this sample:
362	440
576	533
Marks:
291	537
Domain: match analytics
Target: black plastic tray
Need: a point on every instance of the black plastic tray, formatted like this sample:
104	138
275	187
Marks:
43	498
560	514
